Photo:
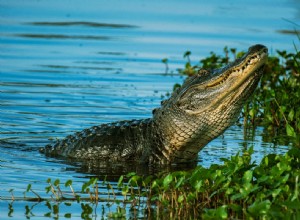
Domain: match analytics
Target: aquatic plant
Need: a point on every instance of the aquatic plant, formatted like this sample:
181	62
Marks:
238	189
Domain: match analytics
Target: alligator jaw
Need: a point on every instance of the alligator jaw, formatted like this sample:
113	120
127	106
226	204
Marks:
250	67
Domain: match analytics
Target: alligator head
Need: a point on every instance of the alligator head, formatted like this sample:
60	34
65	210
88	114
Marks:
207	104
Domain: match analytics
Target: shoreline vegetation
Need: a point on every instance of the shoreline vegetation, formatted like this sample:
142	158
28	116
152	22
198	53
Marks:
237	189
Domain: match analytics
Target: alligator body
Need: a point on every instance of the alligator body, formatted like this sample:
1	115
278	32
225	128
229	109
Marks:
196	113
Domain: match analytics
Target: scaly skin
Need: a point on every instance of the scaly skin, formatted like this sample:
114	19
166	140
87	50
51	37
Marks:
202	109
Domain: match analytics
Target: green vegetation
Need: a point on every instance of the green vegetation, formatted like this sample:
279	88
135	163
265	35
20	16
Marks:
236	189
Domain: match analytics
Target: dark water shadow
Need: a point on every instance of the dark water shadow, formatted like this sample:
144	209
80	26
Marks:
64	37
81	23
291	32
81	67
112	170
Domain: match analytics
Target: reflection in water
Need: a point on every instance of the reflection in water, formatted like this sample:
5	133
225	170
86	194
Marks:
63	37
74	210
81	67
112	171
81	23
293	32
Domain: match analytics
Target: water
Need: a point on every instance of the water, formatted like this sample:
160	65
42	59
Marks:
67	65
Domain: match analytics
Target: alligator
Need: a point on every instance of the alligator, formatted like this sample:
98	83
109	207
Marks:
200	110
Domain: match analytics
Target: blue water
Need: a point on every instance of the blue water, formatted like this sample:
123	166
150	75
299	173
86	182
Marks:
67	65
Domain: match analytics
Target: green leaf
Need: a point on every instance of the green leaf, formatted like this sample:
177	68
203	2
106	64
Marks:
120	182
248	176
290	131
84	186
55	209
246	189
56	182
291	115
180	198
179	182
48	188
229	191
28	187
165	60
296	192
125	190
94	181
276	192
48	214
282	109
252	113
186	54
68	183
292	204
68	215
155	184
167	180
221	212
130	174
198	185
236	196
259	208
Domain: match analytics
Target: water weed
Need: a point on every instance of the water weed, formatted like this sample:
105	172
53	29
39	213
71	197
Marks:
238	188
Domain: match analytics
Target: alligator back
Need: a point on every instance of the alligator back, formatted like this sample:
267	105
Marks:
118	141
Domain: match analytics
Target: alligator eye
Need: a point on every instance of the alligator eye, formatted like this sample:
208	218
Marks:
203	72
